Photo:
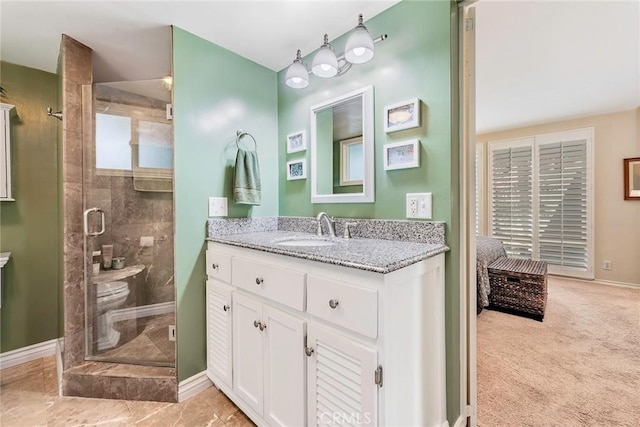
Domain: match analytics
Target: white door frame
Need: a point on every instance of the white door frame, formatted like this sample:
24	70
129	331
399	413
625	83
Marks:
468	294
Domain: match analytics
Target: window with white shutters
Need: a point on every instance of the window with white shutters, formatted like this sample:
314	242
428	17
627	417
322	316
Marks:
511	180
541	198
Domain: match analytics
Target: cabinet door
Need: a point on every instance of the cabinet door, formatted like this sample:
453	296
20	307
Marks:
284	395
341	380
248	364
219	343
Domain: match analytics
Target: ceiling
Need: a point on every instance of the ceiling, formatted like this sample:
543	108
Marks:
544	61
132	40
537	61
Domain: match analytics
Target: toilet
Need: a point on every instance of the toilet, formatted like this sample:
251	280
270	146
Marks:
109	296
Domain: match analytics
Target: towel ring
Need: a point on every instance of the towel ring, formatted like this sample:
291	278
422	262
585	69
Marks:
240	133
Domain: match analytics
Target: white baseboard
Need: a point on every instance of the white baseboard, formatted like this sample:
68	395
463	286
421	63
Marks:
193	385
27	354
461	421
620	284
603	282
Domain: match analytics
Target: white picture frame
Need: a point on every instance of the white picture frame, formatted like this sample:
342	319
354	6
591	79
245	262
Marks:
402	155
402	115
297	169
297	141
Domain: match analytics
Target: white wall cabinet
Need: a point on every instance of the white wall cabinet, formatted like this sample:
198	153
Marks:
5	152
318	344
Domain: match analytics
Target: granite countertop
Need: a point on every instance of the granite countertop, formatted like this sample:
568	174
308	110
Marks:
376	255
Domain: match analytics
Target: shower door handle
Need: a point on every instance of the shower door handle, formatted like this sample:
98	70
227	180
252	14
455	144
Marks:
85	217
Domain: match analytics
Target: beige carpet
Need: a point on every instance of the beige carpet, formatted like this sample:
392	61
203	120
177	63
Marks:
580	367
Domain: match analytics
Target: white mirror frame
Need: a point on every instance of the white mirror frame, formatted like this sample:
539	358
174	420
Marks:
368	185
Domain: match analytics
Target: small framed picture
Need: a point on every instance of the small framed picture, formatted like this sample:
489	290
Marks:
402	115
296	169
297	141
632	178
402	155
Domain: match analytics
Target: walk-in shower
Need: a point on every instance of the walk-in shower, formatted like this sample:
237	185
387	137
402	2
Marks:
128	223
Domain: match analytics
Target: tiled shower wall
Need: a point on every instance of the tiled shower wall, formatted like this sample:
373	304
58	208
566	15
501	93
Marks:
130	215
76	61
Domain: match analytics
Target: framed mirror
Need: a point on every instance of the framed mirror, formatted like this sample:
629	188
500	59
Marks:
342	153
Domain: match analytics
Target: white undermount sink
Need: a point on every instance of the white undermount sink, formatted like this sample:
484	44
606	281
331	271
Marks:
306	242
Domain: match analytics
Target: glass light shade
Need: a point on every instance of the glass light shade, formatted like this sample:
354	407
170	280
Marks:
297	75
359	48
325	63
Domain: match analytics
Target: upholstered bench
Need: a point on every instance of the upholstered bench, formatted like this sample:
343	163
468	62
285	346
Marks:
518	286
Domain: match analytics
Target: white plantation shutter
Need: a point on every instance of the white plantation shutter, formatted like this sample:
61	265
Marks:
541	199
564	202
511	180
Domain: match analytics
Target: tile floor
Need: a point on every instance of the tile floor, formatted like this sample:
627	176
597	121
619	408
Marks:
29	397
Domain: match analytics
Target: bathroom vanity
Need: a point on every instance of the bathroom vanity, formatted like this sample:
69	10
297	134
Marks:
308	330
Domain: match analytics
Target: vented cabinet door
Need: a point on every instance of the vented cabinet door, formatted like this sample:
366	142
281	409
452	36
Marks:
219	343
341	380
248	355
285	363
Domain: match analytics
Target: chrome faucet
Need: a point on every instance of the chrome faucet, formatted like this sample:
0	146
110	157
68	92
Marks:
330	224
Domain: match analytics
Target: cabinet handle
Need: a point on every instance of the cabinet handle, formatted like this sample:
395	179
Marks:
256	324
215	266
262	326
333	303
226	307
259	280
308	351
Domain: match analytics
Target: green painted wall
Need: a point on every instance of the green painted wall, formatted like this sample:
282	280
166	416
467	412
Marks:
215	93
419	59
28	226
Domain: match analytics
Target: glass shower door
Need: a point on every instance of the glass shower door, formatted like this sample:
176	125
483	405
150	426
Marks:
128	223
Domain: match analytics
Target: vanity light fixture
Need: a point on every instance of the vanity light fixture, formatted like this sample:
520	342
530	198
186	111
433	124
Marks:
297	75
325	63
358	50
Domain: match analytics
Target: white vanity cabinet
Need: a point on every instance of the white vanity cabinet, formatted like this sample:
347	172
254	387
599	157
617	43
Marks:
5	153
317	344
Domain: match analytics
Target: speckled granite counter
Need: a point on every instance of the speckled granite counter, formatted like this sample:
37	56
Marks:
388	246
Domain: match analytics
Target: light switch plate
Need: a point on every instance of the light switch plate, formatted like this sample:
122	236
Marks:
419	205
218	206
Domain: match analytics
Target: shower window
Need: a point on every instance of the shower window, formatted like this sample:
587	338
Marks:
127	145
113	142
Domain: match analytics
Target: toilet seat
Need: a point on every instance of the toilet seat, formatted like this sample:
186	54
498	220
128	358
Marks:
111	288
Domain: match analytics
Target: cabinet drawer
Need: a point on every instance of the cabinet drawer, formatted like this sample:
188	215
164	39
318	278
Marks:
219	266
275	283
345	305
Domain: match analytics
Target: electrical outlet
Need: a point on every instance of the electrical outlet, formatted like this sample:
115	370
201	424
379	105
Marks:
419	205
607	264
172	332
412	206
218	206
